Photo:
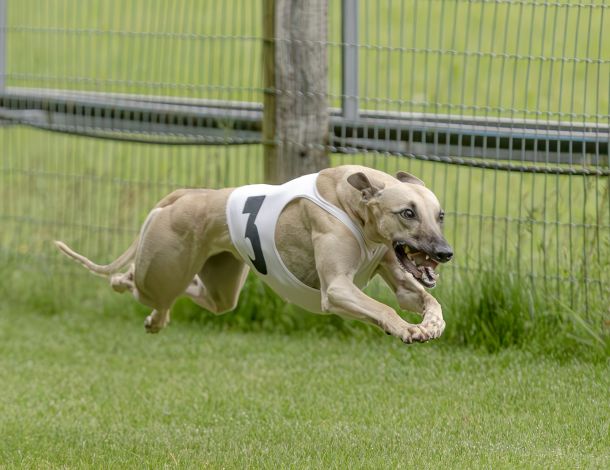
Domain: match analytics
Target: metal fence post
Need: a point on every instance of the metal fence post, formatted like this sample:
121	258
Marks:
349	59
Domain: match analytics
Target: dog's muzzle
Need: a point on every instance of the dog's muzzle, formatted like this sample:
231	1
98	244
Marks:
418	263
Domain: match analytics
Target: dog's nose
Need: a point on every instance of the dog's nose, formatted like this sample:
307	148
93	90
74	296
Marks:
444	254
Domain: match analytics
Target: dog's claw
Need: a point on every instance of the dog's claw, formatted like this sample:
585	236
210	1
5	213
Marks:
419	334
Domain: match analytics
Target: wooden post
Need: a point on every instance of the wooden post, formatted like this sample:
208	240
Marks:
3	24
295	126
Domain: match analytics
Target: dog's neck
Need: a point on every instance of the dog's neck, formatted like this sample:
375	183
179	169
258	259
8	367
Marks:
351	203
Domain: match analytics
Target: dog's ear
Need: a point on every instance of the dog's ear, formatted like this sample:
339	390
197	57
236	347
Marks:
363	184
408	178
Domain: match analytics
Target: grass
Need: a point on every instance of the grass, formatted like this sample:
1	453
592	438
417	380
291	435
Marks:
521	375
84	389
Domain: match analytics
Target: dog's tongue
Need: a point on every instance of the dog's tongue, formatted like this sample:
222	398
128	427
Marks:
425	268
428	273
421	266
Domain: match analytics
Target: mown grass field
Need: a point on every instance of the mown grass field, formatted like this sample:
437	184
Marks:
520	377
85	389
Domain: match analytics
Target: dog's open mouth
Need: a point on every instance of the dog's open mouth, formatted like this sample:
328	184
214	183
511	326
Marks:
418	263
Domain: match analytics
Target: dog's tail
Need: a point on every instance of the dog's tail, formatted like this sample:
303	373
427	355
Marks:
102	270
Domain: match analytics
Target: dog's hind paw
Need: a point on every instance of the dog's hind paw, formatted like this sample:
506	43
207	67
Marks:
122	282
149	326
156	321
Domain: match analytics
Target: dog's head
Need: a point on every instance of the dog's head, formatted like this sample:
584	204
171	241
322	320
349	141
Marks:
407	217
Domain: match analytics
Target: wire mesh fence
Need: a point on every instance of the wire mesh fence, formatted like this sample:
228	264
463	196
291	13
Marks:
187	49
501	107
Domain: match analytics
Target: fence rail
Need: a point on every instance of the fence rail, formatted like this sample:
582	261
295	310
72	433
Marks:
175	121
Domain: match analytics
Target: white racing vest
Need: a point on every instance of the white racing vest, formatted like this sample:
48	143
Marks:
252	215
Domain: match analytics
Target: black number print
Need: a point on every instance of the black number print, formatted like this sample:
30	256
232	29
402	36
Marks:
252	206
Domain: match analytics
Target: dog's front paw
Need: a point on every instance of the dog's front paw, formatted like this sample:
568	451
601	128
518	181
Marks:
434	328
414	334
423	332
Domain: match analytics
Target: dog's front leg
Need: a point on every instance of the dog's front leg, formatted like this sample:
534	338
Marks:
342	297
412	296
337	258
421	302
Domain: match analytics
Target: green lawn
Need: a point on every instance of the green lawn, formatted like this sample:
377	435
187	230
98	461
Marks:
84	389
519	379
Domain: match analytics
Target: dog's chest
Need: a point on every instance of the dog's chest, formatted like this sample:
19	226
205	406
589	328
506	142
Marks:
252	215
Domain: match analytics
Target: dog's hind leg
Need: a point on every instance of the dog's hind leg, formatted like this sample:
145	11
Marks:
216	288
166	262
121	282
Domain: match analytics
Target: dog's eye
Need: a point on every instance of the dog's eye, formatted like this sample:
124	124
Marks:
407	214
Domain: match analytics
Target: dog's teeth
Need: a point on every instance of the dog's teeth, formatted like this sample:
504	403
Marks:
427	257
406	249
